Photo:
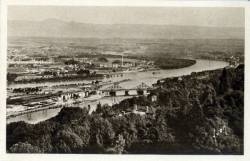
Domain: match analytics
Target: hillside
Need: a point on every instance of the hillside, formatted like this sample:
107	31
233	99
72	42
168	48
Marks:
202	113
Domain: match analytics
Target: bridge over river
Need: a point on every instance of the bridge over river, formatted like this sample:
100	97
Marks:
117	90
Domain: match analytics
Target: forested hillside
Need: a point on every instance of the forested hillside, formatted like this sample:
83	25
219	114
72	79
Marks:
201	113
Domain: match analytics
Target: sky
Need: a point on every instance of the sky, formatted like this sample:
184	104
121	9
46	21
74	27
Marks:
191	16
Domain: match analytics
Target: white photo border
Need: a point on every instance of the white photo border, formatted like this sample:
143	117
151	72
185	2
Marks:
103	157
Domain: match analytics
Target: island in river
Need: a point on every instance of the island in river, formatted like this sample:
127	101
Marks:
165	63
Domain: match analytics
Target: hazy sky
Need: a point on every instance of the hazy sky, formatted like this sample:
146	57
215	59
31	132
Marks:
219	17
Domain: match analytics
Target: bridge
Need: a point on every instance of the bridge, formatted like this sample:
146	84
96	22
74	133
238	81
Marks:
117	90
112	91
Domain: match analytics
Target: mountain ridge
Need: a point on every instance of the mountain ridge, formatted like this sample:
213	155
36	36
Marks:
59	28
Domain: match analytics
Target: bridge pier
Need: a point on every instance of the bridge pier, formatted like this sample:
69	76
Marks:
142	92
86	93
112	93
127	93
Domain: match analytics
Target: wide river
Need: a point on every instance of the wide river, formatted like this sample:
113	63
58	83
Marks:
136	78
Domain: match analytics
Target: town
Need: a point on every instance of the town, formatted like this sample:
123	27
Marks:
43	82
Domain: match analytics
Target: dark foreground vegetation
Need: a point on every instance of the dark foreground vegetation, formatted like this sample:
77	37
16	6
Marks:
197	114
172	63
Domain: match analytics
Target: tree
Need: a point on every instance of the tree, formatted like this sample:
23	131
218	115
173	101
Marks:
66	141
102	133
11	77
83	131
83	72
25	147
117	62
71	62
102	59
119	144
67	115
225	82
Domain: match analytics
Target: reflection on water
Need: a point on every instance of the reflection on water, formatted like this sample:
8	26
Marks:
136	79
35	117
105	100
43	115
150	78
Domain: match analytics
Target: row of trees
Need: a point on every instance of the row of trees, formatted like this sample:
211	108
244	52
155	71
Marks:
27	90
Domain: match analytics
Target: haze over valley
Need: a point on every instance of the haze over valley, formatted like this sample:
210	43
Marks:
59	28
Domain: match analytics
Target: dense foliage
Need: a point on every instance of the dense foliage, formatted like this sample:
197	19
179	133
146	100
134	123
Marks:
201	113
11	77
71	62
172	63
102	59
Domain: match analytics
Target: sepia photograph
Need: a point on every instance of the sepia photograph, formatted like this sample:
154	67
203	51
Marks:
125	80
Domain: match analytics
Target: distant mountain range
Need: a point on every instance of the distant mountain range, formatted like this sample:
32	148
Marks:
58	28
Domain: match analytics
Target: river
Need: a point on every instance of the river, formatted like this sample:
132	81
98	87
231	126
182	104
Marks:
136	78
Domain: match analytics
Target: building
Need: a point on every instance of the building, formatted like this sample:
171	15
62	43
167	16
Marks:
153	98
116	65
